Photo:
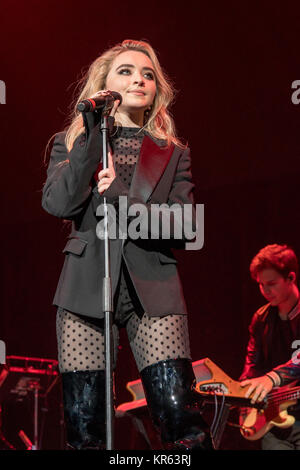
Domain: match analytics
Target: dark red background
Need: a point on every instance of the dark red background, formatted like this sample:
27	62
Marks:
233	64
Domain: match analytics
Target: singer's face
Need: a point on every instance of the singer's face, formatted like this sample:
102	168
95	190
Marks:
132	75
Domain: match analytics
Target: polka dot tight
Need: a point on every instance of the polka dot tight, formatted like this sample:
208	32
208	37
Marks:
152	339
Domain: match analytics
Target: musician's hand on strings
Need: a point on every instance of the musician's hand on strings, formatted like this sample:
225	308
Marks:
260	386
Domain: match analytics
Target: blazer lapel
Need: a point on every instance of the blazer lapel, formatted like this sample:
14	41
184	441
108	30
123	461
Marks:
150	166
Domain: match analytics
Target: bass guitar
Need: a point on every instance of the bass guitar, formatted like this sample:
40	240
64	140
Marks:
256	423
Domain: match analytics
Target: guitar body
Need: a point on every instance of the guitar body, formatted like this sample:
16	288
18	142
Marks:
256	423
212	383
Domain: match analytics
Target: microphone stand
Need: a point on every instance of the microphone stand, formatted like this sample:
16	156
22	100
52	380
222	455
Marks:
107	306
107	301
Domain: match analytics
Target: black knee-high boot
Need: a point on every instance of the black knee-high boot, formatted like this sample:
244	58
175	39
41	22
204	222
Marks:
174	406
84	409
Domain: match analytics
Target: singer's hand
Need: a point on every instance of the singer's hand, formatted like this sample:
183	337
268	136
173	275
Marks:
106	176
115	105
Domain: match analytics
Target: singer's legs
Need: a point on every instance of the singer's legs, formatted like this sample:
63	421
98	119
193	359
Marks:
80	342
81	356
154	339
82	365
160	346
161	349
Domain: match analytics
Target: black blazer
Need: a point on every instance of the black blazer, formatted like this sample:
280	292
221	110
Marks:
162	175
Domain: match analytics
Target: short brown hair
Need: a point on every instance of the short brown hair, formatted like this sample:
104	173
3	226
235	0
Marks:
279	257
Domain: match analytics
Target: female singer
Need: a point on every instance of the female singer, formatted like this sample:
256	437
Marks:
147	165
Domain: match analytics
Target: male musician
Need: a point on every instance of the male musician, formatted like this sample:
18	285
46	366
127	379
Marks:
273	331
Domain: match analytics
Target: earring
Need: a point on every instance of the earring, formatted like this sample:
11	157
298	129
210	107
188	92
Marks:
147	114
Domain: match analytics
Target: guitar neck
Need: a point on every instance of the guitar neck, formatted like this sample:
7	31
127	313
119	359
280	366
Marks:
284	395
211	397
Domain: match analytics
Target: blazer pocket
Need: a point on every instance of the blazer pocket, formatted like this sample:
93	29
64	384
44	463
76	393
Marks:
165	259
75	246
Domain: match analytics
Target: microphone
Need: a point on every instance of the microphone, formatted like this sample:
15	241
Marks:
99	101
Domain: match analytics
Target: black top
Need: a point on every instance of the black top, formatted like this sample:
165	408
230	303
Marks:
126	144
282	340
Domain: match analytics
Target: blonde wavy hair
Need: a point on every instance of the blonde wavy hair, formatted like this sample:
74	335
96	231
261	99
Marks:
158	122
